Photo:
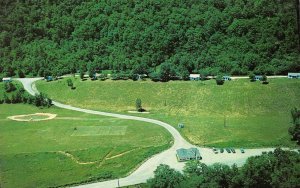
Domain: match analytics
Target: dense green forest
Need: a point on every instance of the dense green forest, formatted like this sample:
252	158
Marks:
51	37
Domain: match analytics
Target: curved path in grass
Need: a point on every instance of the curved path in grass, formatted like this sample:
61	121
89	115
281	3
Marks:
145	171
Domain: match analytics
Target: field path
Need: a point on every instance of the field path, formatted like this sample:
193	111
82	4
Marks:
145	171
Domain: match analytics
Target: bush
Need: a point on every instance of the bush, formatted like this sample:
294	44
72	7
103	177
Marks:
134	77
252	77
102	77
21	74
6	99
9	87
115	76
154	76
219	80
138	105
70	82
81	75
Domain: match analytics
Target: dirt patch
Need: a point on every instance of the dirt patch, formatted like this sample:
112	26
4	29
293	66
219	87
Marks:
33	117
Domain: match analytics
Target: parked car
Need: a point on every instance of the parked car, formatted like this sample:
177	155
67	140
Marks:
215	150
221	150
232	150
228	150
242	150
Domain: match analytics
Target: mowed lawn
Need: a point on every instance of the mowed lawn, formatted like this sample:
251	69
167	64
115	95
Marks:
239	113
72	148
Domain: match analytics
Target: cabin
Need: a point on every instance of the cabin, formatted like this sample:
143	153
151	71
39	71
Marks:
194	77
294	75
226	78
6	80
258	77
188	154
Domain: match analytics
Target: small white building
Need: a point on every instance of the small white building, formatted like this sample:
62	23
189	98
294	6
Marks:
258	77
226	78
6	79
294	75
194	77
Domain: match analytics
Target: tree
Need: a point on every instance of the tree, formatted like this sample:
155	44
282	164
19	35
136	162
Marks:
70	83
264	79
154	76
298	21
81	75
138	105
219	80
165	177
294	130
9	87
6	99
252	77
21	74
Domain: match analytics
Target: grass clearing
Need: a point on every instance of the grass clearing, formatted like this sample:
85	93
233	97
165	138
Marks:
35	153
98	131
255	115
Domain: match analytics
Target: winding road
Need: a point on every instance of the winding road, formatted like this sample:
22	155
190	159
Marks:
145	171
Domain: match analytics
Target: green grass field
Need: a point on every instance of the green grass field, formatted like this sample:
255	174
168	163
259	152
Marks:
67	150
239	113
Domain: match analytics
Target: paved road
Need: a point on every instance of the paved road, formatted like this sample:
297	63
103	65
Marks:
145	171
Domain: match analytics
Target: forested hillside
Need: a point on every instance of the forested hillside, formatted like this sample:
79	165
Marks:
43	37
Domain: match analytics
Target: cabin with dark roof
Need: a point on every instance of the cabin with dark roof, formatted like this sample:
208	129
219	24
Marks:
188	154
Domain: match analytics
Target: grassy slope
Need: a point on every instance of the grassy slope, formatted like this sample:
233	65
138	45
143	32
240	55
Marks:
256	115
29	150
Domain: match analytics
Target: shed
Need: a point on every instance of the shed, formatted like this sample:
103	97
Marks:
6	79
294	75
258	77
180	125
188	154
226	78
194	77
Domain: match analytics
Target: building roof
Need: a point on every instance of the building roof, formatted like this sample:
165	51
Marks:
194	75
187	153
258	76
293	74
4	79
226	76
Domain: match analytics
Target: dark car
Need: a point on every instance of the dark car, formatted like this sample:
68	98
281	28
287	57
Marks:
242	150
232	150
228	150
221	150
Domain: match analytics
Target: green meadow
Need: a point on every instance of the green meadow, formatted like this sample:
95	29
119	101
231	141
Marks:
239	113
72	148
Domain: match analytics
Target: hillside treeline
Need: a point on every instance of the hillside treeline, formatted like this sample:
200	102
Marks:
52	37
